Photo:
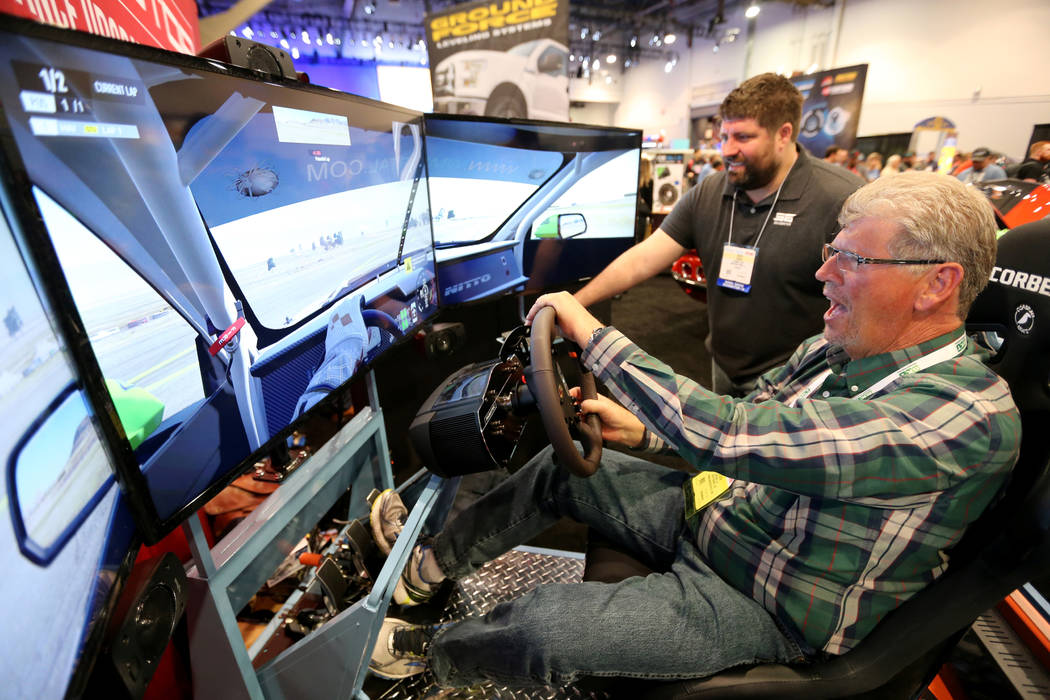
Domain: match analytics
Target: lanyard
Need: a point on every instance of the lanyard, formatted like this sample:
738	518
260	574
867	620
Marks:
732	210
928	360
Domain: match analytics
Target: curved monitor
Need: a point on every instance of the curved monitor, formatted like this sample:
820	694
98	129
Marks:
524	206
235	249
64	535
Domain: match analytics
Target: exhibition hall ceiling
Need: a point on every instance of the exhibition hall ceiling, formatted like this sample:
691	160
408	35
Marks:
637	28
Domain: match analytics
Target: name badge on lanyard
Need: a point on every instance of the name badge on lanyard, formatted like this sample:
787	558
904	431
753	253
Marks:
738	262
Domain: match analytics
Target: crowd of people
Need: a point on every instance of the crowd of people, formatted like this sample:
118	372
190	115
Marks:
978	165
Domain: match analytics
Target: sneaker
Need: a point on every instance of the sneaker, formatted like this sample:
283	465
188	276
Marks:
400	650
387	517
412	587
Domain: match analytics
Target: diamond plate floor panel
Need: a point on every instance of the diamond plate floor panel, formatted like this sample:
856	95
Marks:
508	577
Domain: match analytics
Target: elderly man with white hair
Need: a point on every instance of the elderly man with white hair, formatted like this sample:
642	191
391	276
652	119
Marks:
830	494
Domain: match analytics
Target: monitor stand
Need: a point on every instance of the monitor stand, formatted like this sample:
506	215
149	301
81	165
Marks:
332	661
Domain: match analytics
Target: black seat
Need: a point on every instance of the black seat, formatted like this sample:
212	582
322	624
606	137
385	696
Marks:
1005	548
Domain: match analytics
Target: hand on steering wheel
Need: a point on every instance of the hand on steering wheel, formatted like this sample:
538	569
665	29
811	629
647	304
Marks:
555	402
618	424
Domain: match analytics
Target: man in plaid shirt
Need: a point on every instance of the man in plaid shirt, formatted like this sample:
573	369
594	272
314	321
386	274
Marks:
831	494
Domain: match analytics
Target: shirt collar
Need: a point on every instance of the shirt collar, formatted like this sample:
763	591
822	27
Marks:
794	184
868	370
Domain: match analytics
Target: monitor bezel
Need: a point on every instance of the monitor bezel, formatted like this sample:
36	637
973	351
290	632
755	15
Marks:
120	543
132	480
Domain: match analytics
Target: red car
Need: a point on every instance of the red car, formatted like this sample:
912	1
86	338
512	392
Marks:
689	274
1017	202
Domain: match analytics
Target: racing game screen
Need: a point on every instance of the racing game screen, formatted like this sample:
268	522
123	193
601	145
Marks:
58	493
236	249
522	206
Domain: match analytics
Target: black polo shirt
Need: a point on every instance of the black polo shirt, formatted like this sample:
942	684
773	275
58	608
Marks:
755	331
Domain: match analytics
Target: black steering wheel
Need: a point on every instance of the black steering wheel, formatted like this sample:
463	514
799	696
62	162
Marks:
556	406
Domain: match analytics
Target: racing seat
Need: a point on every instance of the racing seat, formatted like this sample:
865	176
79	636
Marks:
1005	548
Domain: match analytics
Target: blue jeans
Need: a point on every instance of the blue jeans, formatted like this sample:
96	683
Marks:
684	623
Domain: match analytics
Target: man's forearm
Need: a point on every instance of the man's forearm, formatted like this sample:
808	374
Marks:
635	265
615	278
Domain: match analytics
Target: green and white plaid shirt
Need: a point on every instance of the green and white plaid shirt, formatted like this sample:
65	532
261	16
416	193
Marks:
841	508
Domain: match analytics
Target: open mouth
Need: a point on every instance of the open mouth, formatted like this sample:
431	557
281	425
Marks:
835	309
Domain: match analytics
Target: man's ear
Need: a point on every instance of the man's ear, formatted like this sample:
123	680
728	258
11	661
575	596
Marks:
785	132
941	284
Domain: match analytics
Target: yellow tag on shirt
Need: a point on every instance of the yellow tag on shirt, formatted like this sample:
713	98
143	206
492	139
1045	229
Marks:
408	264
704	489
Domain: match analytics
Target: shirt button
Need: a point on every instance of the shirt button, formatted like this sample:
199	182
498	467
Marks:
826	394
854	388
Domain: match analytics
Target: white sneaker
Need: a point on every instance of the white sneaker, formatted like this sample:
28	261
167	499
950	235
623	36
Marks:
400	650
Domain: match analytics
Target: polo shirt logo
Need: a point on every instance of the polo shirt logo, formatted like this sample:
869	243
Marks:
1024	318
783	218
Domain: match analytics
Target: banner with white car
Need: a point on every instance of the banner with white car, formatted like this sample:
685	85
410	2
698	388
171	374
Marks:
501	59
831	107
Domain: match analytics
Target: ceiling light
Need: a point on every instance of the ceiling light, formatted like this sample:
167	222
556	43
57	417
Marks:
295	52
627	63
608	80
596	64
670	38
583	33
306	37
247	32
329	38
284	44
370	8
597	35
752	10
611	58
634	41
668	67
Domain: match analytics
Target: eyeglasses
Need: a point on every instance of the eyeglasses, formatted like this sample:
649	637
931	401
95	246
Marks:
849	262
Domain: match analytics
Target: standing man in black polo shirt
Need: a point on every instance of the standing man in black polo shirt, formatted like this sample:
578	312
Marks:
758	228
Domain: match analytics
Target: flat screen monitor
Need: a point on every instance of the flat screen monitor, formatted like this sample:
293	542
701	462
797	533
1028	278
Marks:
235	248
521	206
64	537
